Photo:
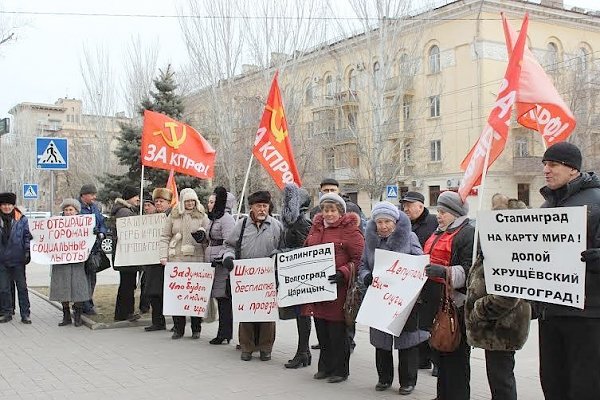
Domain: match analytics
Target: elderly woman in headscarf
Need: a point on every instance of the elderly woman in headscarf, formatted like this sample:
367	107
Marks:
389	229
68	282
296	225
184	239
451	250
334	225
220	227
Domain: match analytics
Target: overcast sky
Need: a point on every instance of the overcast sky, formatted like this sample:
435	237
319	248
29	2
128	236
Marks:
43	64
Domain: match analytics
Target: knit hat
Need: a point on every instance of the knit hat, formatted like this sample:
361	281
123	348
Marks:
565	153
130	192
88	189
8	198
413	197
162	193
385	209
450	202
70	202
333	198
189	194
262	196
329	181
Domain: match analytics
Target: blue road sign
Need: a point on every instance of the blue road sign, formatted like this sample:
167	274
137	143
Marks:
392	191
52	153
30	191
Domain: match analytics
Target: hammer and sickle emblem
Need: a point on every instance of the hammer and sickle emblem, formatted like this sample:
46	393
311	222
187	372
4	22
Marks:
276	128
174	141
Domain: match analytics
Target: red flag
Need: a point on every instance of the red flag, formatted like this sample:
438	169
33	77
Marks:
172	186
494	135
173	145
539	106
272	146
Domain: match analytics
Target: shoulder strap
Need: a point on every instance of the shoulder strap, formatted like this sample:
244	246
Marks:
238	244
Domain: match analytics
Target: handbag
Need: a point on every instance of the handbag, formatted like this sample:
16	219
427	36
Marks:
96	262
212	313
445	332
353	298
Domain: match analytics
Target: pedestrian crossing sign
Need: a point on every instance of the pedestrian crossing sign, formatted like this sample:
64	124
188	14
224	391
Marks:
392	191
30	191
52	153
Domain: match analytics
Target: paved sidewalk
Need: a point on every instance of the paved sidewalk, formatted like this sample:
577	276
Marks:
44	361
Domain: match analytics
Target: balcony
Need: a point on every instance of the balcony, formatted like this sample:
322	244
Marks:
391	127
527	166
345	134
347	97
324	102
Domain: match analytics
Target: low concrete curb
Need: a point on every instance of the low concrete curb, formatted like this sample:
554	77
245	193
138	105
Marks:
90	323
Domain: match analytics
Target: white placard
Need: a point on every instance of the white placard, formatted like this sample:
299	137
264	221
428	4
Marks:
303	275
253	292
62	240
138	239
535	254
187	288
397	281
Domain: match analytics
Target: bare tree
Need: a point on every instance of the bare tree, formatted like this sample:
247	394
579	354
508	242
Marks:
140	69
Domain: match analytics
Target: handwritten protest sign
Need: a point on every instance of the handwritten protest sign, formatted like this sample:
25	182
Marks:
397	281
303	275
253	292
535	254
138	239
187	288
62	240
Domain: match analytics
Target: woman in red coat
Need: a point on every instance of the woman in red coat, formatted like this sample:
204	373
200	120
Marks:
333	225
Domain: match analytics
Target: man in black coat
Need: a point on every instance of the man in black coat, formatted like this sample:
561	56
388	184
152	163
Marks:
423	225
569	338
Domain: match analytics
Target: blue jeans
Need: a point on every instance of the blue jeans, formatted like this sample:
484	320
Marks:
8	275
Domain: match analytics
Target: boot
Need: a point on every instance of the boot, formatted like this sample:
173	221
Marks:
299	360
66	315
303	357
77	310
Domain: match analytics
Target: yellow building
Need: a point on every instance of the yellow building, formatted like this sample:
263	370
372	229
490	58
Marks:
403	103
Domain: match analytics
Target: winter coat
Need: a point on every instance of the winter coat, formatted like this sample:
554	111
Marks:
583	190
494	322
296	233
348	247
177	243
12	253
257	242
424	226
100	222
155	277
402	240
69	283
218	230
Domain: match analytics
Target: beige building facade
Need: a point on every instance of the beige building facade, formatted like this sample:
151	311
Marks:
403	104
91	141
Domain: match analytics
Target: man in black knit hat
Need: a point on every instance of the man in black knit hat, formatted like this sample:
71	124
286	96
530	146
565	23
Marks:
569	338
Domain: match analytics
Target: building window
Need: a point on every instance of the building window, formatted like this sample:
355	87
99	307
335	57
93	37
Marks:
521	147
582	59
309	94
436	150
523	192
352	115
405	69
434	106
434	193
407	153
551	56
434	60
377	75
329	159
329	86
352	79
406	106
346	156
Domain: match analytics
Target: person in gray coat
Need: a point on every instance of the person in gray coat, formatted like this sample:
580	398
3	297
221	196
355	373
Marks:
389	229
68	282
220	227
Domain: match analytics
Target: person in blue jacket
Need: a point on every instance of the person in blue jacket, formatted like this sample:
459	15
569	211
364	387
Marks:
14	255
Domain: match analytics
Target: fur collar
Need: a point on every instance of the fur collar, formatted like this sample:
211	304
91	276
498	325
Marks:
398	241
176	213
345	220
123	203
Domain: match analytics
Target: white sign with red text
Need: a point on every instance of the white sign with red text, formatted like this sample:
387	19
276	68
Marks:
253	290
397	281
62	240
187	288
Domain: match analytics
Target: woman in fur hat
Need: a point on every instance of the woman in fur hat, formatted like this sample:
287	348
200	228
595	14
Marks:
220	227
183	239
68	282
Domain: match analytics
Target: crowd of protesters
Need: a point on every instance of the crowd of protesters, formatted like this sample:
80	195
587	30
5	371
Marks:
569	338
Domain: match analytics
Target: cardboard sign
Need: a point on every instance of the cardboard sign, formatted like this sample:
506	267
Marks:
62	240
253	291
535	254
187	288
397	281
138	239
303	275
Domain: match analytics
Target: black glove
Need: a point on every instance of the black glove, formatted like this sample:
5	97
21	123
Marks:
199	235
215	263
435	271
228	263
368	279
27	257
338	277
590	255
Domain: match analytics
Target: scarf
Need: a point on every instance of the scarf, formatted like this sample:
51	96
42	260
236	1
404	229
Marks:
6	226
